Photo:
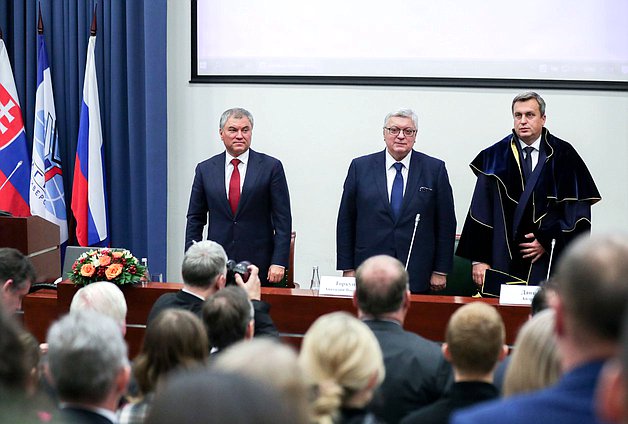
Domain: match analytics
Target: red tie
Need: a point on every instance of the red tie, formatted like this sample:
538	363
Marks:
234	186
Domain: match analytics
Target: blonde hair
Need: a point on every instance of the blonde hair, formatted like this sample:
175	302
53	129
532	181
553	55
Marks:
535	362
340	357
475	337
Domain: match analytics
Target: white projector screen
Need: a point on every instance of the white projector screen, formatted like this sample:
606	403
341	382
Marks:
558	40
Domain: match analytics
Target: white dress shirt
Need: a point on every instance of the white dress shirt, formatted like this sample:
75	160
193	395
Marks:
535	153
244	160
391	171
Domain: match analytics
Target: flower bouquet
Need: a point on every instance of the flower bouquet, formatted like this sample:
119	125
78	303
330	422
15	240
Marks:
117	266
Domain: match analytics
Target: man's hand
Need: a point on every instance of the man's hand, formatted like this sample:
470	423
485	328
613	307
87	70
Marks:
438	282
275	274
253	286
348	273
532	250
477	272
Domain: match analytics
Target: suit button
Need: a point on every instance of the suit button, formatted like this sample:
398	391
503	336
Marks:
235	222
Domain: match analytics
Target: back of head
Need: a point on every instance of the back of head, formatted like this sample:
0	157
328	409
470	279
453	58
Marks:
535	362
592	284
14	370
210	396
269	362
226	315
475	338
175	338
103	297
381	283
203	263
86	352
340	356
15	266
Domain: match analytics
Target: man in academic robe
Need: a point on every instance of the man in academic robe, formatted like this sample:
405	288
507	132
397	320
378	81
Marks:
532	197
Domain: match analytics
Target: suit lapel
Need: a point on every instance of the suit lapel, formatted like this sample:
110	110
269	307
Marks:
217	173
381	182
414	176
253	169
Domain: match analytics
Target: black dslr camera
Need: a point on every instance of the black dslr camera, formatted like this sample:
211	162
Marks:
234	268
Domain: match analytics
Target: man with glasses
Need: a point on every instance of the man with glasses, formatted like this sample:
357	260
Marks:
246	195
398	202
532	197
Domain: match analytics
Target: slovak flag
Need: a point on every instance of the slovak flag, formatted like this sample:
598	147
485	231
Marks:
47	196
14	160
88	192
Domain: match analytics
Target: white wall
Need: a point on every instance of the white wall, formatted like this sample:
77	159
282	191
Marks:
316	131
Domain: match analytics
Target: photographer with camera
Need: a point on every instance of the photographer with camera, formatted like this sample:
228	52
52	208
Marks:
204	272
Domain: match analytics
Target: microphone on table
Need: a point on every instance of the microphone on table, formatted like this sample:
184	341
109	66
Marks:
549	266
11	174
416	224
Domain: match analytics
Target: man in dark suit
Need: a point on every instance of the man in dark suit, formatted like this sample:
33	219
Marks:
591	299
417	374
389	193
204	273
474	344
246	196
89	367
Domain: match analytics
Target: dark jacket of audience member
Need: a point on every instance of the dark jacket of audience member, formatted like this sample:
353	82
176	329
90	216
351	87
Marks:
417	374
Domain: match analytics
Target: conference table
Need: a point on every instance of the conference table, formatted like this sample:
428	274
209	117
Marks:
293	311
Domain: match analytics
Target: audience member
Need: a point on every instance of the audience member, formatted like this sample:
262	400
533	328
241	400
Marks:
103	297
591	297
213	397
474	344
343	362
228	316
16	276
19	401
540	302
204	272
612	390
535	362
417	374
269	362
88	365
175	339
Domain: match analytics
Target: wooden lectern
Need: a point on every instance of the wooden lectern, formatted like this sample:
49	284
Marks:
36	238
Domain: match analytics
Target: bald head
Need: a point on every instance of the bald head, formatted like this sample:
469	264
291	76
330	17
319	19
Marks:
381	285
592	283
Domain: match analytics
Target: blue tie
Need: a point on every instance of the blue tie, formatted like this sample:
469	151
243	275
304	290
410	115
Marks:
396	194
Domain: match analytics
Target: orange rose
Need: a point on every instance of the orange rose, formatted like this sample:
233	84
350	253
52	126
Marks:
104	260
113	271
87	270
117	255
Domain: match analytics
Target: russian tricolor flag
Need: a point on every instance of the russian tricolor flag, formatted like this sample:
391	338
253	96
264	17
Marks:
14	160
89	203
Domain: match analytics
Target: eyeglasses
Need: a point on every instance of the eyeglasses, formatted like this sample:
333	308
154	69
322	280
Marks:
408	132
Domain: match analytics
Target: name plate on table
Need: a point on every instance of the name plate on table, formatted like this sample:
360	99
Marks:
337	286
517	294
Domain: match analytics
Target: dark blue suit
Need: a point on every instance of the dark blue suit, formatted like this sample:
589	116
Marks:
260	230
366	226
571	400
